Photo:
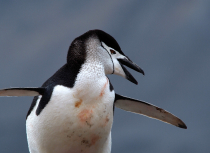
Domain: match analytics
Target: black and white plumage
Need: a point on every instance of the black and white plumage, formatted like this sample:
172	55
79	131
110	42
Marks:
73	110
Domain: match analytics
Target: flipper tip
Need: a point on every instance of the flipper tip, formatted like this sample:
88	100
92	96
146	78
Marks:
183	126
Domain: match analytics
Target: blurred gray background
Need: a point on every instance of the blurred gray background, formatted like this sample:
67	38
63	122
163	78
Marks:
169	40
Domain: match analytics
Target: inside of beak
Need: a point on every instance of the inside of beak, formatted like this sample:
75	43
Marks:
131	65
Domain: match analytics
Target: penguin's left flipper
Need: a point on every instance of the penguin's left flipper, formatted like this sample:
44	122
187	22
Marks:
143	108
22	92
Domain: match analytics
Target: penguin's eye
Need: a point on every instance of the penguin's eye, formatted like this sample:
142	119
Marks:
112	51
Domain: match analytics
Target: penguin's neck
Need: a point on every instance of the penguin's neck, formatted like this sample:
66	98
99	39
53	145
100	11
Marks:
92	69
91	78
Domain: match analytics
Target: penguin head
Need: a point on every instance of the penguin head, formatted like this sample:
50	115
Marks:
97	45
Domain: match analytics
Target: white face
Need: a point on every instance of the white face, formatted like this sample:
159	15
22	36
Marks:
114	55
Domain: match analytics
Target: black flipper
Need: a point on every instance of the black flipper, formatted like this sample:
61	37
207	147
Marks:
143	108
22	92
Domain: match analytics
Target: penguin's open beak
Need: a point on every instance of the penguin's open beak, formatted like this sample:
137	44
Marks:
127	62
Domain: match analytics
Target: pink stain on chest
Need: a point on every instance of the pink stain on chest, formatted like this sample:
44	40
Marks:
103	89
85	115
94	139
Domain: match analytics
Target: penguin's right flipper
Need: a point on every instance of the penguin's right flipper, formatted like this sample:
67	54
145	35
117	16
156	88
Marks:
149	110
22	92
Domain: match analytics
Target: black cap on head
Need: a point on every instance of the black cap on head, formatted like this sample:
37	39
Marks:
76	53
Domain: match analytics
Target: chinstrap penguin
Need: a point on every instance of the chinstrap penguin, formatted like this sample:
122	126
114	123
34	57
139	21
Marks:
72	112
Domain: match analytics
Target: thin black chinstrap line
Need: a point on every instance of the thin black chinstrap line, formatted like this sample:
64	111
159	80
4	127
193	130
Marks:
110	57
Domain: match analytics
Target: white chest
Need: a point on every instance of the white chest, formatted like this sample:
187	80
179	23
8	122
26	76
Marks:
75	120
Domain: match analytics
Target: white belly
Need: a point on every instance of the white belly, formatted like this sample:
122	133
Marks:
72	122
